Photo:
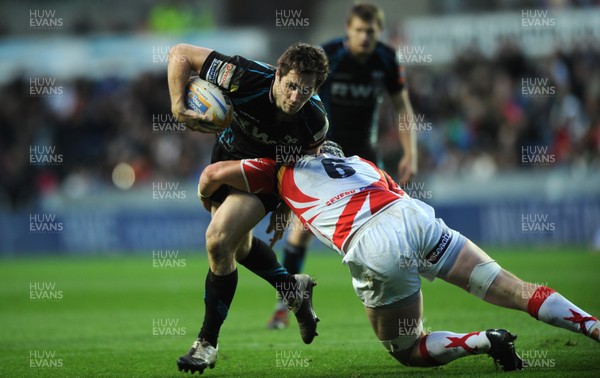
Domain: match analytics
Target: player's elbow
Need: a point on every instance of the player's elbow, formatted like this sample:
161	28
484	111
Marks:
194	56
176	52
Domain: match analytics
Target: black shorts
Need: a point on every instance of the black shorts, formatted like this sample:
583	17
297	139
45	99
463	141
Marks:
269	201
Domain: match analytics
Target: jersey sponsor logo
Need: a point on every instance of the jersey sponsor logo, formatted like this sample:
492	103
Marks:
360	91
340	196
290	140
263	137
211	76
225	75
440	248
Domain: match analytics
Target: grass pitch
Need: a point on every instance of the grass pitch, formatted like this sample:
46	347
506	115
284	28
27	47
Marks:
132	317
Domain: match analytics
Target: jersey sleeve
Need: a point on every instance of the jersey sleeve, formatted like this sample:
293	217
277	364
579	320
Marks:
316	123
394	82
232	73
260	175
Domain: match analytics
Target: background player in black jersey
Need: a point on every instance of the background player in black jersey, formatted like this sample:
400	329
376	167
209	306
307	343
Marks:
273	107
361	69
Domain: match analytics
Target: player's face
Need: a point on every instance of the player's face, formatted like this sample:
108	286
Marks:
362	36
293	90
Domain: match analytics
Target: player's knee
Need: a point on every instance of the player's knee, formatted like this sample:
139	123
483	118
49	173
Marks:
401	347
217	246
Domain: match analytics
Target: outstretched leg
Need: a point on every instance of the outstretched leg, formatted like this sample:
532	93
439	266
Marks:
400	329
477	273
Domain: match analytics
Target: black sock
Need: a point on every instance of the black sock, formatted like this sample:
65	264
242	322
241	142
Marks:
218	295
261	260
293	258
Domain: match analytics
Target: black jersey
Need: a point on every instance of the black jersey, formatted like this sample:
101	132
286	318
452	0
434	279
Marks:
254	131
353	92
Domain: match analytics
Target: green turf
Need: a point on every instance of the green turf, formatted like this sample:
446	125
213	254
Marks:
103	324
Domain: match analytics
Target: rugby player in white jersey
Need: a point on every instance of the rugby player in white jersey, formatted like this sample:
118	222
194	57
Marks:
388	240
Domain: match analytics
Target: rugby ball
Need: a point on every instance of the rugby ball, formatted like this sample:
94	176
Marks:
206	98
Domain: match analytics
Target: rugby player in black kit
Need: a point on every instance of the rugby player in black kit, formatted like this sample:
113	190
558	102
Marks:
361	69
273	108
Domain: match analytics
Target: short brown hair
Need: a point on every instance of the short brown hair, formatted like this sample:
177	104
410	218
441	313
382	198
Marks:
304	58
367	13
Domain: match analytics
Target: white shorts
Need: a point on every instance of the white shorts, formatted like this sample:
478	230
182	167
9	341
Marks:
390	251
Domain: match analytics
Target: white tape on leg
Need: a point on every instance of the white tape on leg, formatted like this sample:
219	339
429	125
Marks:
482	277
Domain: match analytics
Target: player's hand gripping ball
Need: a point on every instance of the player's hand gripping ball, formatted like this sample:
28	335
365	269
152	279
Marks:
207	99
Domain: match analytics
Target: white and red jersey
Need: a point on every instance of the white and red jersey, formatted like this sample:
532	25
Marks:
333	196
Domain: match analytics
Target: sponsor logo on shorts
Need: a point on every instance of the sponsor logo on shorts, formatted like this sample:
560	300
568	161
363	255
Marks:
212	70
440	248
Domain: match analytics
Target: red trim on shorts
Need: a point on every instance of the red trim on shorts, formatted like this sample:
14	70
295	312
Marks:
536	300
425	353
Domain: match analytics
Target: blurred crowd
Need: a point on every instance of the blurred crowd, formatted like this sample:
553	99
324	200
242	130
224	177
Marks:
489	114
476	116
72	141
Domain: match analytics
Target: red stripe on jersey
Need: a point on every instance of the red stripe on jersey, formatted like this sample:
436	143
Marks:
381	198
379	195
290	191
385	181
344	224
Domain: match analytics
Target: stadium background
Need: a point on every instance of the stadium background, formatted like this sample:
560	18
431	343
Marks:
506	100
506	95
